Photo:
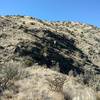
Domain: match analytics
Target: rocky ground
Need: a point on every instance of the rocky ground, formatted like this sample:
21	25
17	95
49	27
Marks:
60	60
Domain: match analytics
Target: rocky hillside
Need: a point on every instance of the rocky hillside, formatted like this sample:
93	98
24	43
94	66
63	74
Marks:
70	50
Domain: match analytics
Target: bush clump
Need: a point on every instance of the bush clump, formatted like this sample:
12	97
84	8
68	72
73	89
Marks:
9	74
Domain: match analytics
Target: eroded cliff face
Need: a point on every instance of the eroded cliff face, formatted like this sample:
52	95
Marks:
70	48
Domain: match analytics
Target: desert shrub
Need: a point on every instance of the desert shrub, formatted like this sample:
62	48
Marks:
21	27
81	35
3	35
67	97
10	73
7	74
32	23
90	79
28	62
56	84
73	90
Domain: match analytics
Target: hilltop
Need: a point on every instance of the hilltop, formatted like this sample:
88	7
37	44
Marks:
48	53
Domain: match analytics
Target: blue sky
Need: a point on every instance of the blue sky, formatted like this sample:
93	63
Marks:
86	11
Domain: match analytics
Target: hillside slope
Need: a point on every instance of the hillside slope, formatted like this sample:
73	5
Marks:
69	48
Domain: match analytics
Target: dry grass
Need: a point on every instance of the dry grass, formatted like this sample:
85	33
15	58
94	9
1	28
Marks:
8	75
45	84
76	91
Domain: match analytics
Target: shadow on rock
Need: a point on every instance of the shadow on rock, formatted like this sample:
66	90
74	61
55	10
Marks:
52	49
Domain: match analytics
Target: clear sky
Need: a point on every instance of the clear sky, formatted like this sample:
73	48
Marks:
86	11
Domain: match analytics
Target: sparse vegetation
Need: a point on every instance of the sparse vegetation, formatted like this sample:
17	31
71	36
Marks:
28	62
9	74
90	79
56	84
65	49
